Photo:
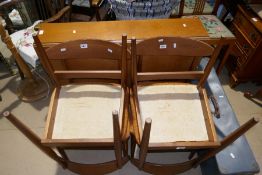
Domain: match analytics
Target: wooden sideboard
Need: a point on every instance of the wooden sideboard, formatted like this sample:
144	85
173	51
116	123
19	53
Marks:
245	62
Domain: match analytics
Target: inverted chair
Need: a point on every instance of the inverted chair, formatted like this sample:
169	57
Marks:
88	108
169	112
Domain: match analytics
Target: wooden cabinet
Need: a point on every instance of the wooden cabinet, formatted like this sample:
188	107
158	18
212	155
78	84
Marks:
245	63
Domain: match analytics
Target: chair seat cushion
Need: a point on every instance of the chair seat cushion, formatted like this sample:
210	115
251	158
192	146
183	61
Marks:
175	110
85	111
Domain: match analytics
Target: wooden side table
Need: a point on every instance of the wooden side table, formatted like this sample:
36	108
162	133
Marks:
245	63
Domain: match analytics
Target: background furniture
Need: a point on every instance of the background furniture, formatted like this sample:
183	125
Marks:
197	7
246	63
127	10
31	87
206	11
255	97
7	64
20	17
229	7
23	41
85	7
47	8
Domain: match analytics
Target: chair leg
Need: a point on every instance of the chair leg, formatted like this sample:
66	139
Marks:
133	146
228	140
88	169
62	153
191	155
98	17
144	143
125	149
9	67
34	139
117	139
257	95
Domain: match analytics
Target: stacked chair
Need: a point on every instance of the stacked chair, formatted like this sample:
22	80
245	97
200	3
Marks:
101	101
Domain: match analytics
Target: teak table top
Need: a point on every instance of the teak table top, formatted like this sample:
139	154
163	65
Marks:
113	30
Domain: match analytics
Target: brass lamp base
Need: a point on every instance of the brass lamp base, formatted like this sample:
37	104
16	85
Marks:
30	90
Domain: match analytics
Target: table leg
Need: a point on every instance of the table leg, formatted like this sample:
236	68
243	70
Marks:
223	61
20	71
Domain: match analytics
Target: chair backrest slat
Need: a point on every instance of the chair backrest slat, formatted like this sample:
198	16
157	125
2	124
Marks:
85	49
173	46
197	7
85	59
147	76
88	74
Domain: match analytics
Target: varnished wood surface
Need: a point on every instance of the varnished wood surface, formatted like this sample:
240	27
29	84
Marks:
141	29
113	30
183	47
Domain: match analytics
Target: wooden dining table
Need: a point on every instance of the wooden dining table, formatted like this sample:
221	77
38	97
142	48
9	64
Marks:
53	33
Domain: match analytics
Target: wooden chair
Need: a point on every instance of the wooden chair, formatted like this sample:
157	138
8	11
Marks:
91	86
20	43
58	11
18	20
255	97
168	115
85	7
206	12
197	7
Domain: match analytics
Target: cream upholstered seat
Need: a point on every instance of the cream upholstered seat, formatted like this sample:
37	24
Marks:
169	106
85	111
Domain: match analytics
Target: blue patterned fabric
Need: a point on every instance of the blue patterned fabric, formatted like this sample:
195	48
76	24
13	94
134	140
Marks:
142	9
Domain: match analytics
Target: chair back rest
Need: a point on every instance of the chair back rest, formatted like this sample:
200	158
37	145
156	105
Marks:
54	6
85	59
171	46
57	11
198	7
142	9
14	18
